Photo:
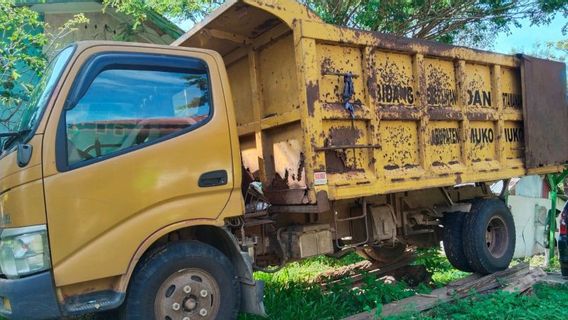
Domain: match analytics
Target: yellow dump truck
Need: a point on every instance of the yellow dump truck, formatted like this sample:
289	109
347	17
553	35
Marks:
155	179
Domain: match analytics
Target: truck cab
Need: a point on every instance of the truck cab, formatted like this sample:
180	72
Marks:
140	139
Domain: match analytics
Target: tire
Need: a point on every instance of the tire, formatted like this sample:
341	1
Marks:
180	280
489	236
383	254
452	237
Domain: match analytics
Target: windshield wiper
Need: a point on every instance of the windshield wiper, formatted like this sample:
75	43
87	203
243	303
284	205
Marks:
12	136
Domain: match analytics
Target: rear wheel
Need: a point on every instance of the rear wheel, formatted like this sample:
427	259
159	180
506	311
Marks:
184	280
489	236
452	237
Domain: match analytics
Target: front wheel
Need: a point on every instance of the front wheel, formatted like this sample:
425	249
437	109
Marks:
184	280
489	236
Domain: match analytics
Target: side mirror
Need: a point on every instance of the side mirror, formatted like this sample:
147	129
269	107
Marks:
24	154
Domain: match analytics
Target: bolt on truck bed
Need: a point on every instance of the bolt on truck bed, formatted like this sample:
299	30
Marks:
424	114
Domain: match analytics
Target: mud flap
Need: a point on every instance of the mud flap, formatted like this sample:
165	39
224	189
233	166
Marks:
545	112
252	291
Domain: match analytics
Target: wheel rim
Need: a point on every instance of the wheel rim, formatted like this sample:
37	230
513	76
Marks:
188	294
496	237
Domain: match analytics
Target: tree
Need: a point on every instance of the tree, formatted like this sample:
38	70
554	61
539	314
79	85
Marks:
193	10
469	22
25	48
21	43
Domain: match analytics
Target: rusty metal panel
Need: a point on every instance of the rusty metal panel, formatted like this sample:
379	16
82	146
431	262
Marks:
425	114
545	112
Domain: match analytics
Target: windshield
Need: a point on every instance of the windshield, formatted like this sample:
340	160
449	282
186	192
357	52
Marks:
32	110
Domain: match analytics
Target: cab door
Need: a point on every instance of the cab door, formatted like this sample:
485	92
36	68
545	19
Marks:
141	142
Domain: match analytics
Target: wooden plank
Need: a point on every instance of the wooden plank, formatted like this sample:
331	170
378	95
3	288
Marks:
518	276
523	284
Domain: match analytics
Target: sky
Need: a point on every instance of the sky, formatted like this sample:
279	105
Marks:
524	39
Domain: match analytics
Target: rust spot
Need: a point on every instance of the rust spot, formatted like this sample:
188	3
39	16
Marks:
312	90
444	114
480	116
279	183
399	113
336	161
343	136
458	179
391	167
301	166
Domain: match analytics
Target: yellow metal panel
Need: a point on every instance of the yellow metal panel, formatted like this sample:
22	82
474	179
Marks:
21	189
92	208
441	88
241	89
514	140
478	86
399	144
279	84
511	89
426	114
445	143
482	137
335	61
394	79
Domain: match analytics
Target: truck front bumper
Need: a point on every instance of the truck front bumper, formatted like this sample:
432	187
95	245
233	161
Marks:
31	297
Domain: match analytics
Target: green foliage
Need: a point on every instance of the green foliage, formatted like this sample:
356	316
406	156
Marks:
21	43
472	22
25	48
194	10
438	265
546	302
469	22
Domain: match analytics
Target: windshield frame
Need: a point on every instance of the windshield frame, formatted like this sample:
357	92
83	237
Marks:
52	81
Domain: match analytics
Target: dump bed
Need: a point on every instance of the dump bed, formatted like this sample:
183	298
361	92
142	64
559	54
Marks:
423	114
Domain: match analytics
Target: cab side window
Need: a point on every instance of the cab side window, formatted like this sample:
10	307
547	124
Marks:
127	108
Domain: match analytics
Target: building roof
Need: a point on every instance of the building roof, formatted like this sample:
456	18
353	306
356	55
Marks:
154	20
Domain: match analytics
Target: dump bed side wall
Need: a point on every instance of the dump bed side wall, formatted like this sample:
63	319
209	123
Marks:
426	114
418	119
264	85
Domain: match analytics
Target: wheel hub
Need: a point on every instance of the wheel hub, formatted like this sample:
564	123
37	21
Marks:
187	294
496	237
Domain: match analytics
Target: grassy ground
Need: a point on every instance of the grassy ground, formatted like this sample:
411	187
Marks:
289	294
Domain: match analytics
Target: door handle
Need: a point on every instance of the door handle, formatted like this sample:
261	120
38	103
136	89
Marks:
213	179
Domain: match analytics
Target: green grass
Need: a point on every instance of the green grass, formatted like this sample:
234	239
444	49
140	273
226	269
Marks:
546	302
289	294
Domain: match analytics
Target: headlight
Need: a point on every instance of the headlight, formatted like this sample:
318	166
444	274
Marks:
24	251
